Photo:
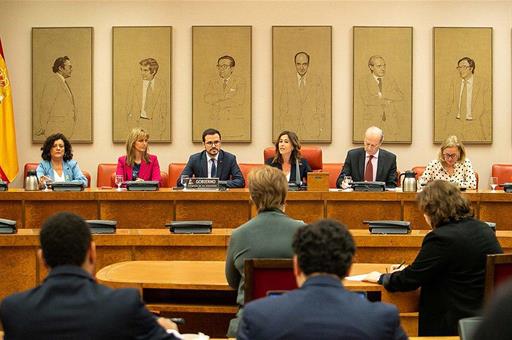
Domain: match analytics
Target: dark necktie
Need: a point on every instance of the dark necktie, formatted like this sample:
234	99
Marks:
224	84
368	172
214	169
463	111
380	84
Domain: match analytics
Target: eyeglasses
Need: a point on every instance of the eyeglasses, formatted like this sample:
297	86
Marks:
463	67
450	155
223	66
210	143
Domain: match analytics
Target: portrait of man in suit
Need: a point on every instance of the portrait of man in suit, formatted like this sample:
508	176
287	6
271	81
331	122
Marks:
302	101
147	100
225	94
469	104
57	109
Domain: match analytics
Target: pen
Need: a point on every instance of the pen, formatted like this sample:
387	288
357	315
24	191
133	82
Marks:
400	265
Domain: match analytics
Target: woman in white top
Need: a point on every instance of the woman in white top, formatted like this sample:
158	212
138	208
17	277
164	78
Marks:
451	165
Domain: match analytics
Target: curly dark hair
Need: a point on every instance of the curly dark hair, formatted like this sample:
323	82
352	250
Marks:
65	239
48	144
443	203
325	246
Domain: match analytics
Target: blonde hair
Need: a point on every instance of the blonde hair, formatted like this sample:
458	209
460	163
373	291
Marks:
268	187
452	142
134	136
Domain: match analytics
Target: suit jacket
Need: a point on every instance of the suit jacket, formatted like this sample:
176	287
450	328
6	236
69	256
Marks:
304	168
69	304
148	171
321	309
355	164
57	111
70	170
450	269
268	235
225	100
227	169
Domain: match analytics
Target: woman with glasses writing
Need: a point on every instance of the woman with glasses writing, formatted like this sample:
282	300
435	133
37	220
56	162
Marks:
451	165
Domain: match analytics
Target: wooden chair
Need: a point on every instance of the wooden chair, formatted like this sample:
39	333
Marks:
334	170
267	275
498	269
312	154
246	168
33	166
503	172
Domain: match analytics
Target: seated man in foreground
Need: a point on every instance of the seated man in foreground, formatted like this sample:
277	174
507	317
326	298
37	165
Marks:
321	308
69	304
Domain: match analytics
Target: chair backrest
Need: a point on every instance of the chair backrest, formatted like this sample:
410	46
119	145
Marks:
498	269
33	166
246	168
334	170
468	327
104	175
312	154
503	172
267	275
175	170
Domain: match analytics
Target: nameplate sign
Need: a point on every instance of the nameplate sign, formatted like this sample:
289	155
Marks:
202	183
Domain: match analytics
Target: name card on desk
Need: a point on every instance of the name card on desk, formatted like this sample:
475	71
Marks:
202	183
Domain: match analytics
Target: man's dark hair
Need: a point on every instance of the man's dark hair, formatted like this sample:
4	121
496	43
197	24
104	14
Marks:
151	63
228	57
59	62
470	61
65	238
210	131
48	144
325	246
298	53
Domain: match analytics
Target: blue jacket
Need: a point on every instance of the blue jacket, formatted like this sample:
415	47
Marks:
70	169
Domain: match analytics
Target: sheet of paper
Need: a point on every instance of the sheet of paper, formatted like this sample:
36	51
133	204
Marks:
356	277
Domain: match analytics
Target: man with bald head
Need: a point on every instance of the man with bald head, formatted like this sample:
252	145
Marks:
370	163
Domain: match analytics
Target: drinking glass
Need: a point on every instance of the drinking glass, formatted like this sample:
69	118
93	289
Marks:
184	181
347	181
493	182
47	182
119	182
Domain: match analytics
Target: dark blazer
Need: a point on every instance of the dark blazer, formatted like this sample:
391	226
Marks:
321	309
304	168
69	304
227	168
355	164
148	171
450	269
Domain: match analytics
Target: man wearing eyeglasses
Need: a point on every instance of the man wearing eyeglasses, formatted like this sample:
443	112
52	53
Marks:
469	111
214	162
225	94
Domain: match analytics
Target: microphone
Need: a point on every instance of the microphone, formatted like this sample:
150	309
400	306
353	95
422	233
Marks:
298	180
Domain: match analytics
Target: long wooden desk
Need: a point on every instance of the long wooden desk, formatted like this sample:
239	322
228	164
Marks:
199	290
232	208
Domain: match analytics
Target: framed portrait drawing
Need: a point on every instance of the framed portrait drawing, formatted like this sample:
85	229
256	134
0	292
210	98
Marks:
463	84
221	81
382	82
62	83
141	81
302	82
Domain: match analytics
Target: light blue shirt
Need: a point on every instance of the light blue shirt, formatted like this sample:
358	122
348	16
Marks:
70	169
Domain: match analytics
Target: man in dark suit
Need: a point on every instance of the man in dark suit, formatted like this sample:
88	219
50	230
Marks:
214	162
69	304
370	163
321	308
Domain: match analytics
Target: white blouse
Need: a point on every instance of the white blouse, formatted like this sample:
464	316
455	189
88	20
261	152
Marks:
463	174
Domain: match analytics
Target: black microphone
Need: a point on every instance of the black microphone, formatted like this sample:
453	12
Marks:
298	180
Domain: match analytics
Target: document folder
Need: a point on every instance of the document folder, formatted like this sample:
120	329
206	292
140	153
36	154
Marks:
190	227
389	227
7	226
102	226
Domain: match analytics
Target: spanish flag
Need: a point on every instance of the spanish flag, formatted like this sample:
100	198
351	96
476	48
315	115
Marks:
8	151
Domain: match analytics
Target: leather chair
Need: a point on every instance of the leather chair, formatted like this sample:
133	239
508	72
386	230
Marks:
246	168
503	172
312	154
33	166
106	175
498	269
334	170
175	170
264	276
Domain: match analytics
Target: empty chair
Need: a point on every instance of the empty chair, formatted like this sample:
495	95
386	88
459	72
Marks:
175	170
104	175
334	170
246	168
503	172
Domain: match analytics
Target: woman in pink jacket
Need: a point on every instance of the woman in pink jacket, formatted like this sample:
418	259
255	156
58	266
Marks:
138	165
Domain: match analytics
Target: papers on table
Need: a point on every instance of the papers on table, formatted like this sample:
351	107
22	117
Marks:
356	277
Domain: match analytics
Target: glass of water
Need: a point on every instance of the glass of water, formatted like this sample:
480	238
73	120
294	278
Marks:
347	182
184	181
119	181
493	182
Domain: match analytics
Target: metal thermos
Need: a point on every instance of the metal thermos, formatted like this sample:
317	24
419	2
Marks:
31	182
409	183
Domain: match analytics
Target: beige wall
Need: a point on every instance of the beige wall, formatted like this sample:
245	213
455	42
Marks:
18	17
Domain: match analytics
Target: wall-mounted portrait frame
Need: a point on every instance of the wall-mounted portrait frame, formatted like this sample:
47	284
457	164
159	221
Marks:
302	82
62	83
463	84
142	81
221	81
382	82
